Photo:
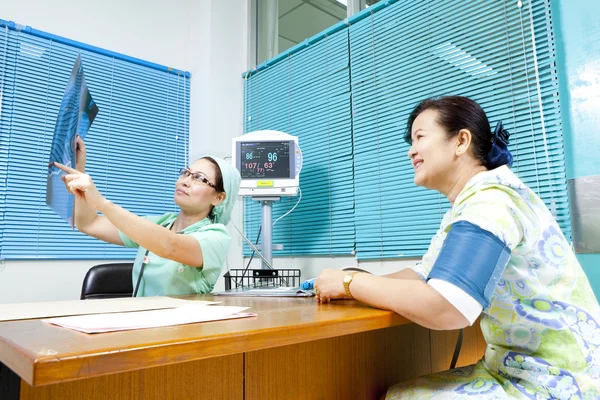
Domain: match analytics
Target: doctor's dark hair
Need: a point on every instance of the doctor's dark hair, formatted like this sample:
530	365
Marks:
219	186
457	112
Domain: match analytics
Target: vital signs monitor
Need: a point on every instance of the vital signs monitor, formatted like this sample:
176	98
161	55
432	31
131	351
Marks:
269	163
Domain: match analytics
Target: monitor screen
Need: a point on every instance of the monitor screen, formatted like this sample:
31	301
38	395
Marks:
265	160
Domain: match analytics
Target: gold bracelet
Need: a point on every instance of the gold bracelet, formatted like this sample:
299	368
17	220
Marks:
347	281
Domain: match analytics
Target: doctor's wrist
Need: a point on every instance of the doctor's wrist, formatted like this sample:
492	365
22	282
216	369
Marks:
104	205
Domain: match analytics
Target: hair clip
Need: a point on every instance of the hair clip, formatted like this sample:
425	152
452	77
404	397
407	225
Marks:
500	134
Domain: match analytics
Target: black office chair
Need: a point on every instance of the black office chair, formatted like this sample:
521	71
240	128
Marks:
106	281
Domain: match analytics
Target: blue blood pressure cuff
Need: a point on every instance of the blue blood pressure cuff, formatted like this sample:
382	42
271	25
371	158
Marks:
471	259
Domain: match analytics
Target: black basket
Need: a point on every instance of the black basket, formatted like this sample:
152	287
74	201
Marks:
237	278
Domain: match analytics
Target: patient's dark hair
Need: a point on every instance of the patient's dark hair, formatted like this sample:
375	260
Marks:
457	112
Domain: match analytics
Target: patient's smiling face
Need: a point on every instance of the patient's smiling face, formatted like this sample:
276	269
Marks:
432	153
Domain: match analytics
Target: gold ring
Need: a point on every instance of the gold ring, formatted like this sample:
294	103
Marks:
317	291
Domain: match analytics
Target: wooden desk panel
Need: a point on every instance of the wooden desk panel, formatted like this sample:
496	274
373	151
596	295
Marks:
215	378
444	342
359	366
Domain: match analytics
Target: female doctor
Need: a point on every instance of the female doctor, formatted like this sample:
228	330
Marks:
500	256
182	253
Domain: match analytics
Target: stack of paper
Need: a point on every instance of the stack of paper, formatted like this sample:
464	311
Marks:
47	309
188	314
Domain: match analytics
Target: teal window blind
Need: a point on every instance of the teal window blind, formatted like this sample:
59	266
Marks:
134	148
307	94
496	52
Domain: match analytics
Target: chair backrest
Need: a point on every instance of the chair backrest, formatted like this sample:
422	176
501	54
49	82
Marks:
107	281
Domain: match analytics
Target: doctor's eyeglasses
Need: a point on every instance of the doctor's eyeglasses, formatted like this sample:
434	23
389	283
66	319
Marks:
197	177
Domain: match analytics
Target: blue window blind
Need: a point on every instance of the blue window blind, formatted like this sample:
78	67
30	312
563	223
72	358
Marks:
134	148
400	53
495	52
307	94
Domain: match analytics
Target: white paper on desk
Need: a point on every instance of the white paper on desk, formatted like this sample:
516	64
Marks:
9	312
188	314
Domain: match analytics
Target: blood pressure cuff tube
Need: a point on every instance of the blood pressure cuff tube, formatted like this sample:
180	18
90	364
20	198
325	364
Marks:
471	259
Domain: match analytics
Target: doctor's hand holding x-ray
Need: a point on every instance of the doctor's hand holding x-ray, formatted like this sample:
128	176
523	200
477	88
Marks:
78	182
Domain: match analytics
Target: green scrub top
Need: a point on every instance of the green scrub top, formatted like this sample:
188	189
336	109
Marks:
164	277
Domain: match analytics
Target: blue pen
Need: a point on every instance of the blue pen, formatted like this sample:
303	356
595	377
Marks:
308	285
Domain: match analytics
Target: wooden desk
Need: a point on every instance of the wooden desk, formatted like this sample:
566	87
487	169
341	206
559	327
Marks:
295	348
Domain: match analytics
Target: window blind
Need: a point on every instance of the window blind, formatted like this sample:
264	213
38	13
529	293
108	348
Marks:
134	148
495	52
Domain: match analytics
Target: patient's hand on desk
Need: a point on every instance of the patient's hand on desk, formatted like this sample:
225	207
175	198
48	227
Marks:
330	285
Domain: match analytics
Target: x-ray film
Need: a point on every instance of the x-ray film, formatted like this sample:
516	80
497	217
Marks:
75	116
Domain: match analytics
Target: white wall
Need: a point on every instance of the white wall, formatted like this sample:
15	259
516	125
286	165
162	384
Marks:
205	37
153	30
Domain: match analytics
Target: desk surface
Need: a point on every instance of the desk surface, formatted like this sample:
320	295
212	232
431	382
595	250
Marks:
44	354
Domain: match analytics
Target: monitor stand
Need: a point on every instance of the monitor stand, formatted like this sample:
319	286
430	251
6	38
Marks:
267	228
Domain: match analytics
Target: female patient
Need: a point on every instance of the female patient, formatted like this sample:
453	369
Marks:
183	253
499	255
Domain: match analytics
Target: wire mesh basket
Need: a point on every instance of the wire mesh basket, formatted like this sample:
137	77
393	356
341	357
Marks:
238	278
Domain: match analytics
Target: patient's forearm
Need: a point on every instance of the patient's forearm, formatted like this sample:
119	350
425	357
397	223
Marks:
406	273
416	301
